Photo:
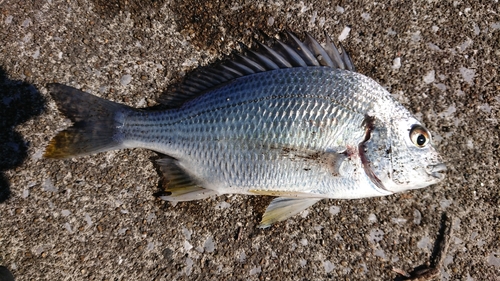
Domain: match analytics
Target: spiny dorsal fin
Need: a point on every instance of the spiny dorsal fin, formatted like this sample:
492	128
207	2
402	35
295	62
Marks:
286	53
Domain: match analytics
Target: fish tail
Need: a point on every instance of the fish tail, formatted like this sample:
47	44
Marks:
96	123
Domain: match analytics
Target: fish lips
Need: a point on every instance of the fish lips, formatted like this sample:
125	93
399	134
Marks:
437	170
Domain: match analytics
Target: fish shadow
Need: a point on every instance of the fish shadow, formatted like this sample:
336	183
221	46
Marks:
19	102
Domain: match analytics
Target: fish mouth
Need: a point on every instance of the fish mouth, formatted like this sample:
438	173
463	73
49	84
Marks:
437	171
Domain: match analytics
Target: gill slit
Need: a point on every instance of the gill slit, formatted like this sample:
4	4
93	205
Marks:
368	123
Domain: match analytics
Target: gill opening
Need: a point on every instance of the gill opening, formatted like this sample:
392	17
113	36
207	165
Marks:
368	123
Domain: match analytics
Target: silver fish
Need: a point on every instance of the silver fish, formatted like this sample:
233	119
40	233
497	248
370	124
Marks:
292	120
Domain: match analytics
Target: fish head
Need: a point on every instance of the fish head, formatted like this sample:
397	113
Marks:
398	154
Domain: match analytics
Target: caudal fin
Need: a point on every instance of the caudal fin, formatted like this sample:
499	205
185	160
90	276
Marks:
96	123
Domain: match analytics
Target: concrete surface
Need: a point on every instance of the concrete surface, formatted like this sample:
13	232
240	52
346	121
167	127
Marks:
95	218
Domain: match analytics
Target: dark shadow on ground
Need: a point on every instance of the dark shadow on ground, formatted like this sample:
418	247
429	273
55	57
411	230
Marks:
19	102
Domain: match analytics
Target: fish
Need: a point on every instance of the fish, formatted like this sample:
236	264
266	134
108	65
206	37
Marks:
288	118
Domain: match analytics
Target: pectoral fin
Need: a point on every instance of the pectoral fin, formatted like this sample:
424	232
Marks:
180	185
282	208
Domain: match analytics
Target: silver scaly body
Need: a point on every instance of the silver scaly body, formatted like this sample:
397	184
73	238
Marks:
271	131
293	120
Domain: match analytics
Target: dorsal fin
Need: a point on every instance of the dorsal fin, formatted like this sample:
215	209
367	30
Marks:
286	53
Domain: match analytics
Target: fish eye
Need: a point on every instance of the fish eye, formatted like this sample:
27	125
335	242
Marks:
419	136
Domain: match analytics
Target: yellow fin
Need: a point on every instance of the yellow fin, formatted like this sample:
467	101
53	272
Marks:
282	208
61	145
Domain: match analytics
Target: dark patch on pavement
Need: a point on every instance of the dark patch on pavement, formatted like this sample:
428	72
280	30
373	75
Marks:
137	8
5	274
206	22
19	102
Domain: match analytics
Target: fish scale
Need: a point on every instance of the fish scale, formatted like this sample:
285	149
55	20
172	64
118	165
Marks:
293	126
289	114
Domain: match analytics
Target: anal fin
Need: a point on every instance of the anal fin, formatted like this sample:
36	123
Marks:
180	185
282	208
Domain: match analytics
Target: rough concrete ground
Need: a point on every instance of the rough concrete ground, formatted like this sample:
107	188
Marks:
94	218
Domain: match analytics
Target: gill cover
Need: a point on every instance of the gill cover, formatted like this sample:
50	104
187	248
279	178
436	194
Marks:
400	155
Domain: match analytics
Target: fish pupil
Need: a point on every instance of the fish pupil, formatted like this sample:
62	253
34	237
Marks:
421	140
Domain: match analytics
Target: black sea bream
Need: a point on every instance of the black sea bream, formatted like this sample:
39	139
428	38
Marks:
293	120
